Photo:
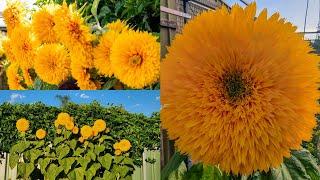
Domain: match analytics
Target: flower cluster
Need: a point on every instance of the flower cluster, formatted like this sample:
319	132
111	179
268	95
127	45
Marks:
56	44
65	122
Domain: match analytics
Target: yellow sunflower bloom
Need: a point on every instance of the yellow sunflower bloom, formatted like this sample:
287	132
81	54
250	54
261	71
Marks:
22	125
117	152
71	28
14	79
27	77
7	45
135	59
116	146
100	125
117	26
124	145
52	63
13	14
86	132
41	134
24	46
69	125
240	92
102	53
62	119
95	131
75	130
81	139
43	23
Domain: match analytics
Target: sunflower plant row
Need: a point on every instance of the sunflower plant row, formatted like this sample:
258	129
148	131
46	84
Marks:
56	49
86	152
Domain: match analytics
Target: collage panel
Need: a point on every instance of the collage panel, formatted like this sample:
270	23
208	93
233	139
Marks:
80	45
80	135
240	90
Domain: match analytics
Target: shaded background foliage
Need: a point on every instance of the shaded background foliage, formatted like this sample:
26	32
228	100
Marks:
140	130
140	14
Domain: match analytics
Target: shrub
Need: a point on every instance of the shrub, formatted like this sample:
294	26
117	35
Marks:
90	153
141	131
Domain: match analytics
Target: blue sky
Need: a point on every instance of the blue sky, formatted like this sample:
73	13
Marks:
292	10
144	102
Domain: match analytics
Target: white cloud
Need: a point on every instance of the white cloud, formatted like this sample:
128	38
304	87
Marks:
15	96
84	96
136	105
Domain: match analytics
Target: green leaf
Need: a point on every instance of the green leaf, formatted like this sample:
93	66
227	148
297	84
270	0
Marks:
211	172
98	149
53	171
107	175
62	151
57	140
109	84
94	9
118	159
79	151
178	174
172	165
13	160
91	172
35	154
105	137
91	154
66	163
309	162
73	144
84	161
105	161
128	161
296	168
40	85
20	147
77	174
122	170
43	164
25	169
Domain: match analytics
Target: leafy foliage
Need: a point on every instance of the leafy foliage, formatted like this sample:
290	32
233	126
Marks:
301	165
141	131
141	14
66	157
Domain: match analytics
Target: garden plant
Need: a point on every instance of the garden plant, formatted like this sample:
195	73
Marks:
63	46
76	141
243	102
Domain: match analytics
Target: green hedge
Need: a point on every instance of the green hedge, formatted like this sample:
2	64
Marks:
140	130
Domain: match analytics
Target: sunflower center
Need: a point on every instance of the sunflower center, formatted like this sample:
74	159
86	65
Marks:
236	87
135	60
75	29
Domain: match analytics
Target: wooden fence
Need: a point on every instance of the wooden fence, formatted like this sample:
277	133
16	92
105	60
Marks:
148	171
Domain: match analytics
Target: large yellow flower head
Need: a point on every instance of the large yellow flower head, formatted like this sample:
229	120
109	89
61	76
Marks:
71	28
239	91
86	132
124	145
135	59
100	125
117	26
62	119
52	63
40	134
13	14
7	45
102	53
43	23
14	78
22	125
24	46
